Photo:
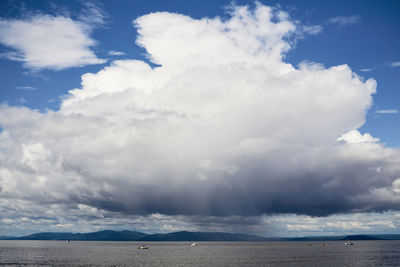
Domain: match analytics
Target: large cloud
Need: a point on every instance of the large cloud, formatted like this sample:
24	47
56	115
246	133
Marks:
223	127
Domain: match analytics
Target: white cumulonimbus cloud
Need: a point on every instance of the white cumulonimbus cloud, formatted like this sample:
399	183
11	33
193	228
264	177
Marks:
222	127
51	42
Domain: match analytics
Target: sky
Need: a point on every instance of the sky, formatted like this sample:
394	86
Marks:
270	118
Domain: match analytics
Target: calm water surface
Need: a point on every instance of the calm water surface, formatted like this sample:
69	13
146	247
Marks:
81	253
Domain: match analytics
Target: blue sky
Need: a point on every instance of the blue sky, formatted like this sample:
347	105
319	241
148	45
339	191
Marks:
161	104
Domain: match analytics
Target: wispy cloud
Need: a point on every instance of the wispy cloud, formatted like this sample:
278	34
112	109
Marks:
366	69
395	64
21	100
383	65
115	53
345	20
312	30
27	88
93	15
387	111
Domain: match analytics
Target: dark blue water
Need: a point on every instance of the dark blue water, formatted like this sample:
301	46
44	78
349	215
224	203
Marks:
81	253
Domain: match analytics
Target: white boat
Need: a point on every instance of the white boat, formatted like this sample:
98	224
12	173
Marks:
143	247
348	243
193	244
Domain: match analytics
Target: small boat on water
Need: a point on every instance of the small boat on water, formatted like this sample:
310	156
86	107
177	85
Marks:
348	243
193	245
143	247
67	240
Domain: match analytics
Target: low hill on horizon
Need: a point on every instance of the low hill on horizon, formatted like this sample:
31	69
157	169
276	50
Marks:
105	235
127	235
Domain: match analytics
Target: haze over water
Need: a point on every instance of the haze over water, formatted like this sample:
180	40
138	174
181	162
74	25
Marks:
81	253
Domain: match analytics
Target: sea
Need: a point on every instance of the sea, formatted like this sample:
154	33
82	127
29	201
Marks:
299	253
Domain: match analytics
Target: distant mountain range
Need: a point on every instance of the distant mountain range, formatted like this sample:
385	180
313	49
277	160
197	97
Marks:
126	235
107	235
110	235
